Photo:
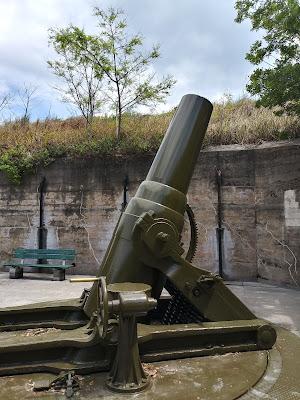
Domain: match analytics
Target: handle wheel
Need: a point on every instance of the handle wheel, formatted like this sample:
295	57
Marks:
103	306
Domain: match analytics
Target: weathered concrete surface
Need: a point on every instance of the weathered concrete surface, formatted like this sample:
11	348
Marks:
276	304
34	288
260	204
279	305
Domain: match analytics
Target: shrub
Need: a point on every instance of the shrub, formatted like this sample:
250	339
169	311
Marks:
42	142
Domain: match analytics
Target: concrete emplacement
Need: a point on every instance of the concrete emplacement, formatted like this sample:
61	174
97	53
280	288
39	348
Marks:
276	304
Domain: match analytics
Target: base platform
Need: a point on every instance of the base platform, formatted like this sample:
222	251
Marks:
272	375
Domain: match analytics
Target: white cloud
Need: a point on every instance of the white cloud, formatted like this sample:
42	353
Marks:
201	45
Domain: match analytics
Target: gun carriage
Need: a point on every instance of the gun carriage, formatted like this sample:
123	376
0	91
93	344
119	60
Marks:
124	319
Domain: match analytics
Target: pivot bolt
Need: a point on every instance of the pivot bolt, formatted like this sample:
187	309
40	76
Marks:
162	236
196	292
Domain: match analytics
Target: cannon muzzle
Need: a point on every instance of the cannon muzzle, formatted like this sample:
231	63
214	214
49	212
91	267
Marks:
175	160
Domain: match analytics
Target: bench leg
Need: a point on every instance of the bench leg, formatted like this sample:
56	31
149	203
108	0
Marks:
58	274
15	272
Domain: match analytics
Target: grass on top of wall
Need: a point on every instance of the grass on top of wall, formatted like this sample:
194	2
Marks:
24	146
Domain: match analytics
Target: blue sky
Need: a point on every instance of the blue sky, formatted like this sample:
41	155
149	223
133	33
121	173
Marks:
201	45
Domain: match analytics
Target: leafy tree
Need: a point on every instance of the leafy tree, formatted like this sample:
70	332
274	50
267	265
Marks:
82	86
279	83
119	60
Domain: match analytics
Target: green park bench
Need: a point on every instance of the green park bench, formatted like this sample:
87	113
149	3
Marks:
41	257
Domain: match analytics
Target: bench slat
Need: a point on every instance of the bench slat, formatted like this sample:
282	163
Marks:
59	266
58	254
70	251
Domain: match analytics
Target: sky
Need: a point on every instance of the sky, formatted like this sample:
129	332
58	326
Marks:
201	46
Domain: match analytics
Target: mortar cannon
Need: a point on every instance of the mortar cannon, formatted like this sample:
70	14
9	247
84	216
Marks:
146	243
200	316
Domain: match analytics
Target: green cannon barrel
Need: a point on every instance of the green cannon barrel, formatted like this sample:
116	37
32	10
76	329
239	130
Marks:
163	193
176	158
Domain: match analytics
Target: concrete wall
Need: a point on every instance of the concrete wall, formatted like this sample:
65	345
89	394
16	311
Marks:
260	205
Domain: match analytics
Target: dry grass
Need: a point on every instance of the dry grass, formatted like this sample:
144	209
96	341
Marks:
140	133
23	146
241	122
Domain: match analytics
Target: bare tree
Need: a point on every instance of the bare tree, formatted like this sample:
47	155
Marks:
5	101
26	96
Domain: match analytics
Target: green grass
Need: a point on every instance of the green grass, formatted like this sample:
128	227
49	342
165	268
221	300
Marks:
26	146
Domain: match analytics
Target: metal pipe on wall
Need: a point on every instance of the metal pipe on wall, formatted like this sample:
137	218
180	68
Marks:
220	229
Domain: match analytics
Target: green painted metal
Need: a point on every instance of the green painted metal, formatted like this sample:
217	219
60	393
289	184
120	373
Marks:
145	249
253	375
84	350
59	254
146	244
31	265
42	256
63	314
129	301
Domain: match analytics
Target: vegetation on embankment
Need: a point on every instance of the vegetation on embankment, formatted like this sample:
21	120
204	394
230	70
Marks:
25	146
